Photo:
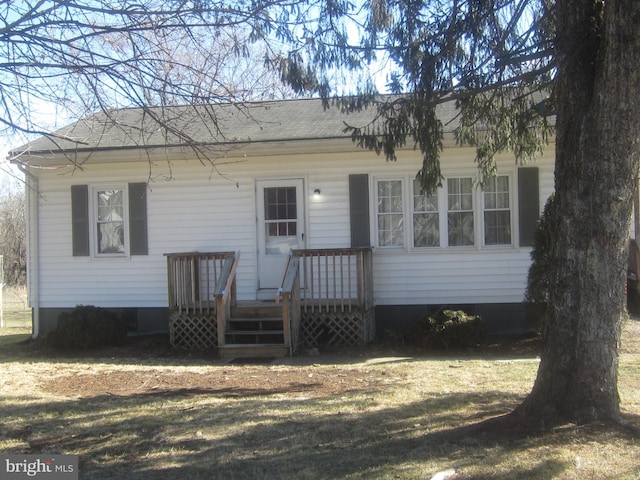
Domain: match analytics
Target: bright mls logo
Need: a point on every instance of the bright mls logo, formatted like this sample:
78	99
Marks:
49	467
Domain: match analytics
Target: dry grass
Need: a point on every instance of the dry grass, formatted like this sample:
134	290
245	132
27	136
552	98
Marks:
16	317
142	413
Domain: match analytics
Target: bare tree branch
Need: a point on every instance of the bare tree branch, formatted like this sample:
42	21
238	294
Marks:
77	57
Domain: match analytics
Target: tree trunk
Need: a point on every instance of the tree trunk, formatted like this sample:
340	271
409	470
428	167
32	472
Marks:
597	152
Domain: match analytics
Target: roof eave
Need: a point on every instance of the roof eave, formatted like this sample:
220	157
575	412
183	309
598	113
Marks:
212	151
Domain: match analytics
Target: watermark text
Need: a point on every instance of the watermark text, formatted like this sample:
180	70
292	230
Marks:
49	467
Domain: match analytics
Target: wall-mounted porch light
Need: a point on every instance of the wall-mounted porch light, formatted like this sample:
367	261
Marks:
316	194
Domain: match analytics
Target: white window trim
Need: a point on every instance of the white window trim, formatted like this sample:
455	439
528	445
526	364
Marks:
374	211
93	220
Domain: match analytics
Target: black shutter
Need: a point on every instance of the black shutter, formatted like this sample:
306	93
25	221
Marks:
80	220
359	210
138	219
528	204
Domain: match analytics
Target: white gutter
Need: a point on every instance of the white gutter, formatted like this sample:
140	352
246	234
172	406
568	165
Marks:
33	267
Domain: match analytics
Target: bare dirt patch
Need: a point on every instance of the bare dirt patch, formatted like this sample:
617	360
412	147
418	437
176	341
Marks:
154	369
228	382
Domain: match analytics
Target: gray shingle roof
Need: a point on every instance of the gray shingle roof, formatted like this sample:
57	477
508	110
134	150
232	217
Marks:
248	123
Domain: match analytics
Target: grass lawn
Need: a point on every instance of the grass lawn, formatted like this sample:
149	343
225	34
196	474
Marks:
16	318
144	412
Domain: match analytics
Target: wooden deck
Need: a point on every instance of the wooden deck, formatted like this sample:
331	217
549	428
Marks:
333	307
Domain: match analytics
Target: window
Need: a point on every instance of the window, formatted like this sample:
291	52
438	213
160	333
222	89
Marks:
110	221
460	211
426	219
390	213
281	219
458	214
280	211
497	213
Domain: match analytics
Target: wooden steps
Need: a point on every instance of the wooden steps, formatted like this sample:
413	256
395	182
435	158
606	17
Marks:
255	330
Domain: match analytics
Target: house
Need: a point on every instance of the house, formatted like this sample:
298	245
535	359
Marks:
275	199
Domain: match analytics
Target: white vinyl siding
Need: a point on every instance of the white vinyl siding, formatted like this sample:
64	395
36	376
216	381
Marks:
460	276
196	211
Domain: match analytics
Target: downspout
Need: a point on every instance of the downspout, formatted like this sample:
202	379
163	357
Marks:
33	267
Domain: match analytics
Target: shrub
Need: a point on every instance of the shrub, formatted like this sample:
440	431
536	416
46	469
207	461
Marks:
542	266
87	327
449	329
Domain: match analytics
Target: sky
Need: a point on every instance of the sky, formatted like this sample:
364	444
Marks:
45	116
10	176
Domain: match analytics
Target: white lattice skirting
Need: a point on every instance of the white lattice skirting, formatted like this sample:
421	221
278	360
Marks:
337	328
192	331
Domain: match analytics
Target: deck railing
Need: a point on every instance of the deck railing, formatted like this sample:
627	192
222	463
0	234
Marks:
337	279
289	295
225	294
195	278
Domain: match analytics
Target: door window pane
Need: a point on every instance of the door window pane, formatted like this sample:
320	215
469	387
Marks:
280	213
280	203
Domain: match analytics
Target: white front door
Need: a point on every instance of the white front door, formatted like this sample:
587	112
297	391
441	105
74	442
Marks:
280	205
